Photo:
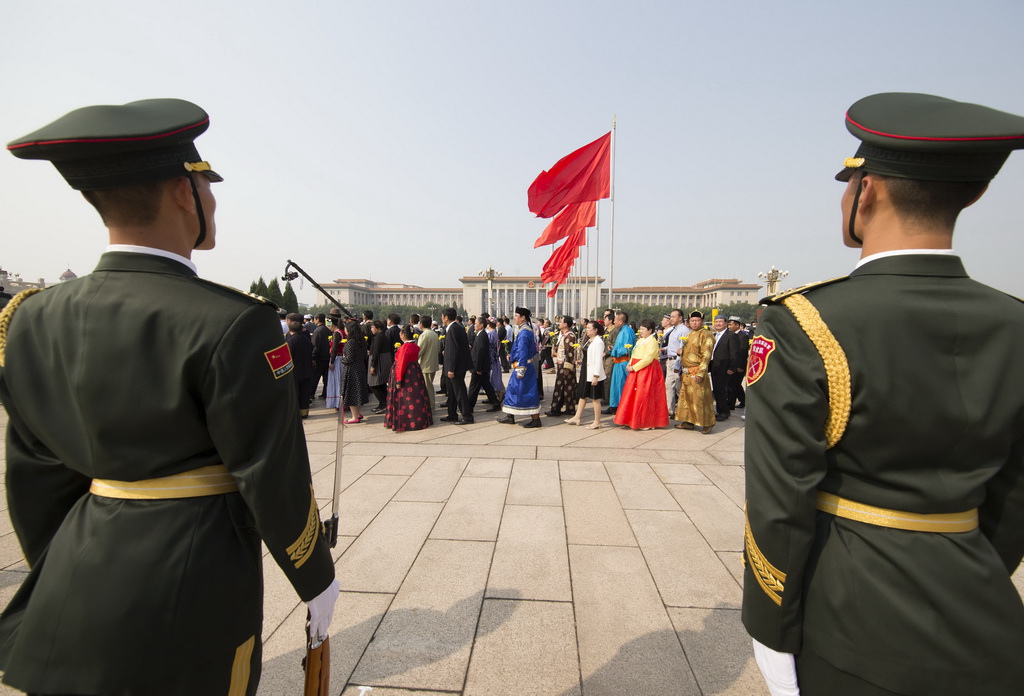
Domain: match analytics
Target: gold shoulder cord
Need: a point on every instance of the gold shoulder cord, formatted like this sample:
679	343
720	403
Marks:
8	313
837	368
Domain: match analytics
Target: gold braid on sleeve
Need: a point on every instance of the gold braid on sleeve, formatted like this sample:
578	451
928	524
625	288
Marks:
771	579
300	551
837	368
8	313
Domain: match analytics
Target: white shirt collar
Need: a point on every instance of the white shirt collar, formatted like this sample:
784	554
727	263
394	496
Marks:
135	249
904	252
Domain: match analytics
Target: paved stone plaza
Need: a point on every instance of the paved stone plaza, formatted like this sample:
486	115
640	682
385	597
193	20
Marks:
489	560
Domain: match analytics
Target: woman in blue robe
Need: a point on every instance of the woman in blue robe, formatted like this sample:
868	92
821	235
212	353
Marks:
620	357
522	397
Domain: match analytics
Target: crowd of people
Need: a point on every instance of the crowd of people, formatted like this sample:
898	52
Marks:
641	375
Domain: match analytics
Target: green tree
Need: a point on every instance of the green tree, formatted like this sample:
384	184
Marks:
291	302
744	310
274	292
261	287
254	288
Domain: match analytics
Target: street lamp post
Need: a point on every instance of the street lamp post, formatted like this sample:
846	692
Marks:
772	278
490	274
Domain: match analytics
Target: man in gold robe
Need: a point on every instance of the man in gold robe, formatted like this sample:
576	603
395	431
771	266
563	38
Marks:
696	407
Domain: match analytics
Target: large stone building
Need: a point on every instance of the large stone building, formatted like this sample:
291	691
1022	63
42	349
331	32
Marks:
501	294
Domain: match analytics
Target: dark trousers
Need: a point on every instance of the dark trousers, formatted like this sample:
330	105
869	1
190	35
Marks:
503	357
304	393
720	390
478	382
736	393
458	396
320	370
381	392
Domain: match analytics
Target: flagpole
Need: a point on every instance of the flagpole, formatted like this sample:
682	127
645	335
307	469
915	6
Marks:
597	259
611	251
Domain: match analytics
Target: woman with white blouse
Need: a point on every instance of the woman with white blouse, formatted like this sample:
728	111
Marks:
592	375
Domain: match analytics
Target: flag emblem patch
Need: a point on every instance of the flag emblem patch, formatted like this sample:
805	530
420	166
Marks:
280	360
760	350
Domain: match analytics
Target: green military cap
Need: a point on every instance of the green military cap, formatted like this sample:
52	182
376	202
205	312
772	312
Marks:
920	136
100	147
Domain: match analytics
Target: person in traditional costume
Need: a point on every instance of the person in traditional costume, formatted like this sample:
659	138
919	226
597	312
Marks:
624	340
642	406
563	352
696	407
354	390
592	375
522	397
336	369
408	402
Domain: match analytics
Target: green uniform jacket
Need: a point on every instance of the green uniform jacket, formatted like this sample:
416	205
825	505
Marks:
141	370
936	426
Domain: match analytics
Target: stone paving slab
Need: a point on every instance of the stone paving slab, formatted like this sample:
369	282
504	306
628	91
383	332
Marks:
427	635
380	558
534	483
638	487
594	515
433	481
717	517
530	559
626	641
473	512
524	649
718	651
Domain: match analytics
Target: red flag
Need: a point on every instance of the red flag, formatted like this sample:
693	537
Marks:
584	175
557	268
573	217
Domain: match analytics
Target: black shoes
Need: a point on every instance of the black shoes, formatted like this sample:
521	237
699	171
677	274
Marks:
610	411
552	413
507	419
449	419
495	408
464	421
533	423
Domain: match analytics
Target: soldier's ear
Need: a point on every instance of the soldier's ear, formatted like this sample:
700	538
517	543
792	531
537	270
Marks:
181	194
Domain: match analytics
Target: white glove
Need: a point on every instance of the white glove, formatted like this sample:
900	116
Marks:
779	670
321	611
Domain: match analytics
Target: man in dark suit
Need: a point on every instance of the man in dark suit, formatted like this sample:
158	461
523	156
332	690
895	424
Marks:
481	377
300	346
322	352
724	362
457	361
736	394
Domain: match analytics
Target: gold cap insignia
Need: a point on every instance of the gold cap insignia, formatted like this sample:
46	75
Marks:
850	162
198	166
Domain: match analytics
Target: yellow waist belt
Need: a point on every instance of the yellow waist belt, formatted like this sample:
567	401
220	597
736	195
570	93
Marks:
897	519
207	480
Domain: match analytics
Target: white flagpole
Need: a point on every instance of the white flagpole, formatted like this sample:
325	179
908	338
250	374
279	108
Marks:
597	259
611	270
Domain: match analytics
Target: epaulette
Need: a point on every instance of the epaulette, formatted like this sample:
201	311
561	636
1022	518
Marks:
803	289
8	313
258	299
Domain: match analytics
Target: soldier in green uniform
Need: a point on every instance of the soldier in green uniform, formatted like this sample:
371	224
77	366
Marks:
140	482
885	472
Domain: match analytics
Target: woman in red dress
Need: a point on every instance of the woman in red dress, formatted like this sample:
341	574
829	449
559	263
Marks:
642	405
408	405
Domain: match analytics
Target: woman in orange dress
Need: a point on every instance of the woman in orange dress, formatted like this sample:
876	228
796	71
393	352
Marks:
642	404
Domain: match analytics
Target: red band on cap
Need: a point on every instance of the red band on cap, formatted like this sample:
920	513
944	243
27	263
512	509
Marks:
109	140
915	137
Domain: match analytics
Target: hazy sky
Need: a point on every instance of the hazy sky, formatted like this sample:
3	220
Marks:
396	140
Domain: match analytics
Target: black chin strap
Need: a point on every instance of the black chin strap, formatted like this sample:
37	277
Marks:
202	218
853	212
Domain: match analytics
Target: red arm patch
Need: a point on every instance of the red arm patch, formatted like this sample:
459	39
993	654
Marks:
280	360
760	350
